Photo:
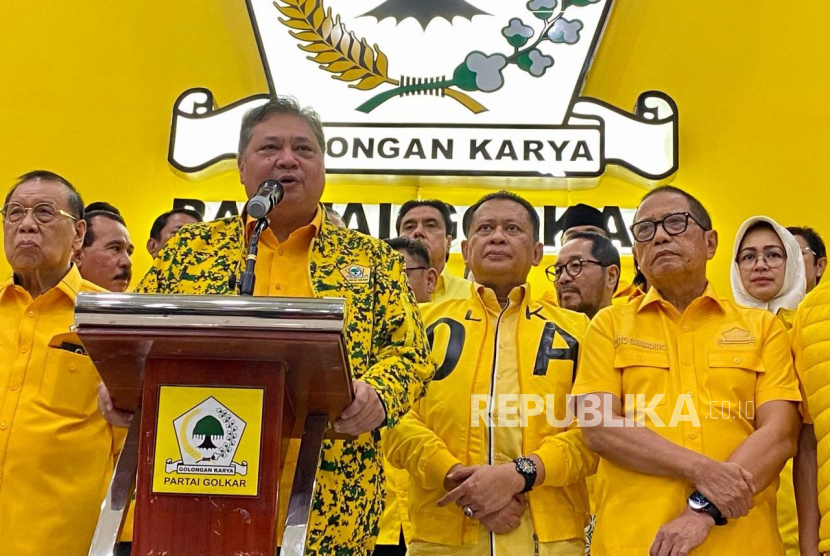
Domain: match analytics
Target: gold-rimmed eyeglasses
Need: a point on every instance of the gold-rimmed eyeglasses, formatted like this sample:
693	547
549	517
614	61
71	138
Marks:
44	213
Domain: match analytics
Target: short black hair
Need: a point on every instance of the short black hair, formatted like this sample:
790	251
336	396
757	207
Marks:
696	208
440	206
416	249
812	238
89	238
506	196
76	203
101	205
602	250
161	221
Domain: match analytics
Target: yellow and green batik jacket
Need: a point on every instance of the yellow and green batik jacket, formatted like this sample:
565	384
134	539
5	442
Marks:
385	340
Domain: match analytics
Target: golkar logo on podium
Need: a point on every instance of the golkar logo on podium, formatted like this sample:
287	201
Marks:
216	451
485	87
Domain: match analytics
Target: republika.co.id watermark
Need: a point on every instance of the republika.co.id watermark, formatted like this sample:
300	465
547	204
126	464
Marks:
515	410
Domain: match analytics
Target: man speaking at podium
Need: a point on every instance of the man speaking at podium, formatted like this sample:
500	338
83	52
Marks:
302	254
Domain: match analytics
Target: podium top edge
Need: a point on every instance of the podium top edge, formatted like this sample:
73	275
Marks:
137	310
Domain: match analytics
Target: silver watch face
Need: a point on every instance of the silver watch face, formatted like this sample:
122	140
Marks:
698	503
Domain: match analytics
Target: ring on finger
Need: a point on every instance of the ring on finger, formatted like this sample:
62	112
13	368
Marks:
468	511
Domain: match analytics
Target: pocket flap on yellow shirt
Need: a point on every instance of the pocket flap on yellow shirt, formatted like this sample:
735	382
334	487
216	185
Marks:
736	360
641	358
71	338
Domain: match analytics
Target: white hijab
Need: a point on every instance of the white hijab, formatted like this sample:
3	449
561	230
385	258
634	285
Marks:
795	279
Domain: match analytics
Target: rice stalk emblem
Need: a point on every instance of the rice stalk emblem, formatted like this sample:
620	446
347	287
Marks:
351	59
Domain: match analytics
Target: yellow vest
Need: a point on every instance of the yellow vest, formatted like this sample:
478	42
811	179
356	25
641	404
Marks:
811	344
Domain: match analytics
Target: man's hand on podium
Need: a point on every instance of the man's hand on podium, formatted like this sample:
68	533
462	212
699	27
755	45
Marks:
114	416
365	413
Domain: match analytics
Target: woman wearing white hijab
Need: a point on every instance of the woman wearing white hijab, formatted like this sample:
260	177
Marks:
768	273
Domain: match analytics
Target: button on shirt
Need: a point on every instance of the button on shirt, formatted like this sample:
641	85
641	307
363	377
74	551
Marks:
705	373
56	451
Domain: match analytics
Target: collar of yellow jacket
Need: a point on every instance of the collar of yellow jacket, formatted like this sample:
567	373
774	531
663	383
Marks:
517	296
70	284
653	296
315	224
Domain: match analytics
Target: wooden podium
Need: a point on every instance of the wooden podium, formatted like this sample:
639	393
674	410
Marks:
218	384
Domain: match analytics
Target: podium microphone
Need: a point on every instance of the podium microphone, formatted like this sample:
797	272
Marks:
267	197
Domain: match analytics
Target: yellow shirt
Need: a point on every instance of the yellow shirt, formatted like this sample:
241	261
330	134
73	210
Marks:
724	361
450	286
505	445
56	451
624	293
282	271
787	515
282	268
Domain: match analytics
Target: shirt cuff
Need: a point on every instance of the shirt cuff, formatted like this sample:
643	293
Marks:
437	467
556	465
605	386
777	394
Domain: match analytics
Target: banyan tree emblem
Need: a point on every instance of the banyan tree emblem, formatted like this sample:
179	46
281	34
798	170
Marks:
441	87
208	436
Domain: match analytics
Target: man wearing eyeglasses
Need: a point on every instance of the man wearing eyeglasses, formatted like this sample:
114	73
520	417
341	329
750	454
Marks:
421	277
511	479
693	464
814	252
586	273
56	450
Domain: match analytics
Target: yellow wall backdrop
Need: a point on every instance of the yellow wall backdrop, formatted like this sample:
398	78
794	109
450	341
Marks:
87	89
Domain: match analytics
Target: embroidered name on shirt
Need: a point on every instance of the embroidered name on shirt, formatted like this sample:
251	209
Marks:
629	341
736	336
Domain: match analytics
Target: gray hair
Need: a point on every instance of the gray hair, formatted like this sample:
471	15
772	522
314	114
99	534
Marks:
278	106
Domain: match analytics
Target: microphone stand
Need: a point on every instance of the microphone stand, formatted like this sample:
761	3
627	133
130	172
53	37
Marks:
246	283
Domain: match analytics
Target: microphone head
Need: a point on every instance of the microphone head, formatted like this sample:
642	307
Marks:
258	207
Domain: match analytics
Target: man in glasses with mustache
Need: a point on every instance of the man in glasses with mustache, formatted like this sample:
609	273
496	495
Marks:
104	258
692	401
56	450
586	273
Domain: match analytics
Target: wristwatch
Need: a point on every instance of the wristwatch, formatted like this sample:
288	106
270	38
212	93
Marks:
700	504
526	469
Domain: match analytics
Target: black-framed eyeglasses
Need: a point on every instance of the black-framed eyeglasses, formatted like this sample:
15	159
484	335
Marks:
44	213
773	258
573	267
408	270
674	224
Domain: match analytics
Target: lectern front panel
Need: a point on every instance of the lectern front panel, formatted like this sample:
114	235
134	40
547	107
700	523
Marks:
210	436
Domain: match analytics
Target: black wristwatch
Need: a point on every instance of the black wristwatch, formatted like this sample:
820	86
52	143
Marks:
526	469
700	504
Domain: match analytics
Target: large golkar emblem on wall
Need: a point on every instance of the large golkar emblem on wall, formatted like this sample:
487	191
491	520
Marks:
454	87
